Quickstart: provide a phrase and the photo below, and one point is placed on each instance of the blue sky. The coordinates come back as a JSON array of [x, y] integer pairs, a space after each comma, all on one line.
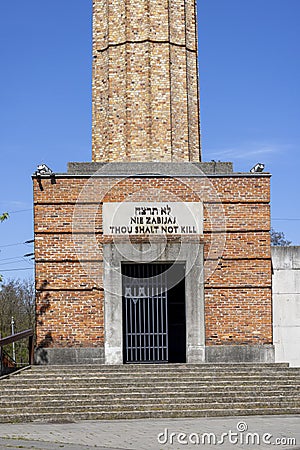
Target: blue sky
[[250, 101]]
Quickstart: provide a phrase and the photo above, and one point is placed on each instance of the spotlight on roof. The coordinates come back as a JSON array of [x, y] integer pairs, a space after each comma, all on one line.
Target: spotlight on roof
[[43, 169], [259, 167]]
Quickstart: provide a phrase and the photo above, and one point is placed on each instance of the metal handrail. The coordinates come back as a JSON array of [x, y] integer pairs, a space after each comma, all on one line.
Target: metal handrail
[[17, 337]]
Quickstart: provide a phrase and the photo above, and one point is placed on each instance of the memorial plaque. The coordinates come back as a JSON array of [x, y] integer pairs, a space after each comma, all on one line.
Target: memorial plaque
[[152, 218]]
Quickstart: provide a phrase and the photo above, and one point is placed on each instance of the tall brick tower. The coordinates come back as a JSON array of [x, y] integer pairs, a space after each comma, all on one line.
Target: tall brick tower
[[146, 254], [145, 81]]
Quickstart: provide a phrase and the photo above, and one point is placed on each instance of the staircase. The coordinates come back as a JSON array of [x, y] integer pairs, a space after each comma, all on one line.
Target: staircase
[[69, 393]]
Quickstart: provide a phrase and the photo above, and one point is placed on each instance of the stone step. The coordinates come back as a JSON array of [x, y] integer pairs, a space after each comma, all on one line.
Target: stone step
[[138, 371], [150, 366], [136, 414], [161, 375], [138, 401], [162, 378], [192, 388], [107, 395], [25, 397], [152, 376], [116, 406], [136, 368], [140, 391], [185, 387], [94, 381], [72, 380], [226, 410]]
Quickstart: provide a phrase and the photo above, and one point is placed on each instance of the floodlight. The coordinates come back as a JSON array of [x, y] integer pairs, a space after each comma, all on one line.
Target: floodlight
[[259, 167], [43, 169]]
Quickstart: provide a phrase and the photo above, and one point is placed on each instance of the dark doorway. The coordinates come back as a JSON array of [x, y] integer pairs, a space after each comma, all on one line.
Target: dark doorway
[[154, 327], [176, 315]]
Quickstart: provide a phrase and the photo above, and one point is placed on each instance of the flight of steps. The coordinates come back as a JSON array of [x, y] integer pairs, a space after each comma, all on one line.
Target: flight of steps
[[69, 393]]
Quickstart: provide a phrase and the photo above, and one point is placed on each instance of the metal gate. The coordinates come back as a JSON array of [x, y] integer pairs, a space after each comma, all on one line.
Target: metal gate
[[145, 313]]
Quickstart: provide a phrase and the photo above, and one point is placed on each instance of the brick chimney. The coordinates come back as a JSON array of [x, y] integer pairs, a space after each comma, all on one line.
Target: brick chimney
[[145, 81]]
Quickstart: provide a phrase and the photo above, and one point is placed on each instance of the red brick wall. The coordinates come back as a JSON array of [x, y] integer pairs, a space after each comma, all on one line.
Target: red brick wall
[[145, 81], [237, 294]]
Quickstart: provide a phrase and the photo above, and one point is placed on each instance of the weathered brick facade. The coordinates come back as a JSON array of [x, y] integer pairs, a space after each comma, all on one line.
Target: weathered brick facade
[[146, 148], [145, 81], [237, 292]]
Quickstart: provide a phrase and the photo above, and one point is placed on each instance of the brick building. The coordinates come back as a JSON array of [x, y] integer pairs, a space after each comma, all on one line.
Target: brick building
[[147, 254]]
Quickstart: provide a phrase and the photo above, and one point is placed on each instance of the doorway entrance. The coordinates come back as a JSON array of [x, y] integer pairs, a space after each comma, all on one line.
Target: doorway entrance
[[154, 322]]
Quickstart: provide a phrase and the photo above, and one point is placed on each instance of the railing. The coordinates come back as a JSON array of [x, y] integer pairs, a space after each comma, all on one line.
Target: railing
[[7, 360], [4, 357]]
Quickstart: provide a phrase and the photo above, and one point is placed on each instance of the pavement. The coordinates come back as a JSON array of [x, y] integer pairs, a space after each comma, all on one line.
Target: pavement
[[229, 433]]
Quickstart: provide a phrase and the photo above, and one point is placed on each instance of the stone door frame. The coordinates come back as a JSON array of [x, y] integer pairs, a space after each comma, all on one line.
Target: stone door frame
[[188, 253]]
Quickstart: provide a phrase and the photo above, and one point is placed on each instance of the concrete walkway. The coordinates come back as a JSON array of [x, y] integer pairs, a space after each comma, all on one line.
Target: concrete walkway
[[261, 432]]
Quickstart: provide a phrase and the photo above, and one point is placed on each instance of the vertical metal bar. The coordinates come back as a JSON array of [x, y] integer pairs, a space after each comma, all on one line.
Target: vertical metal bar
[[153, 315], [129, 318], [132, 312], [133, 331], [143, 334], [162, 340], [157, 327], [126, 326], [149, 319], [153, 320], [140, 329], [130, 329], [137, 306], [155, 300], [148, 328], [163, 328], [135, 334], [147, 337], [159, 300], [144, 329], [142, 326], [166, 318], [135, 274], [162, 301]]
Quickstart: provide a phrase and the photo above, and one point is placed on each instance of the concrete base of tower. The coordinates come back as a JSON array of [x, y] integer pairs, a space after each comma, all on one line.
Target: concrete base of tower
[[240, 354], [73, 355], [213, 354]]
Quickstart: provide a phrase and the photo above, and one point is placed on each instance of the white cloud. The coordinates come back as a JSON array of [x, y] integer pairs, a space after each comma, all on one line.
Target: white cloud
[[15, 205], [247, 151]]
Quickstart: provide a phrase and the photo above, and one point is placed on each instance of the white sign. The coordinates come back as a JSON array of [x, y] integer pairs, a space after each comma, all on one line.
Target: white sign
[[152, 218]]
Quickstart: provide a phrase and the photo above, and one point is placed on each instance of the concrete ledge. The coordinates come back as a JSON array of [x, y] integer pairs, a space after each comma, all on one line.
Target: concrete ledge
[[151, 170], [135, 168], [240, 353], [286, 257], [62, 356]]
